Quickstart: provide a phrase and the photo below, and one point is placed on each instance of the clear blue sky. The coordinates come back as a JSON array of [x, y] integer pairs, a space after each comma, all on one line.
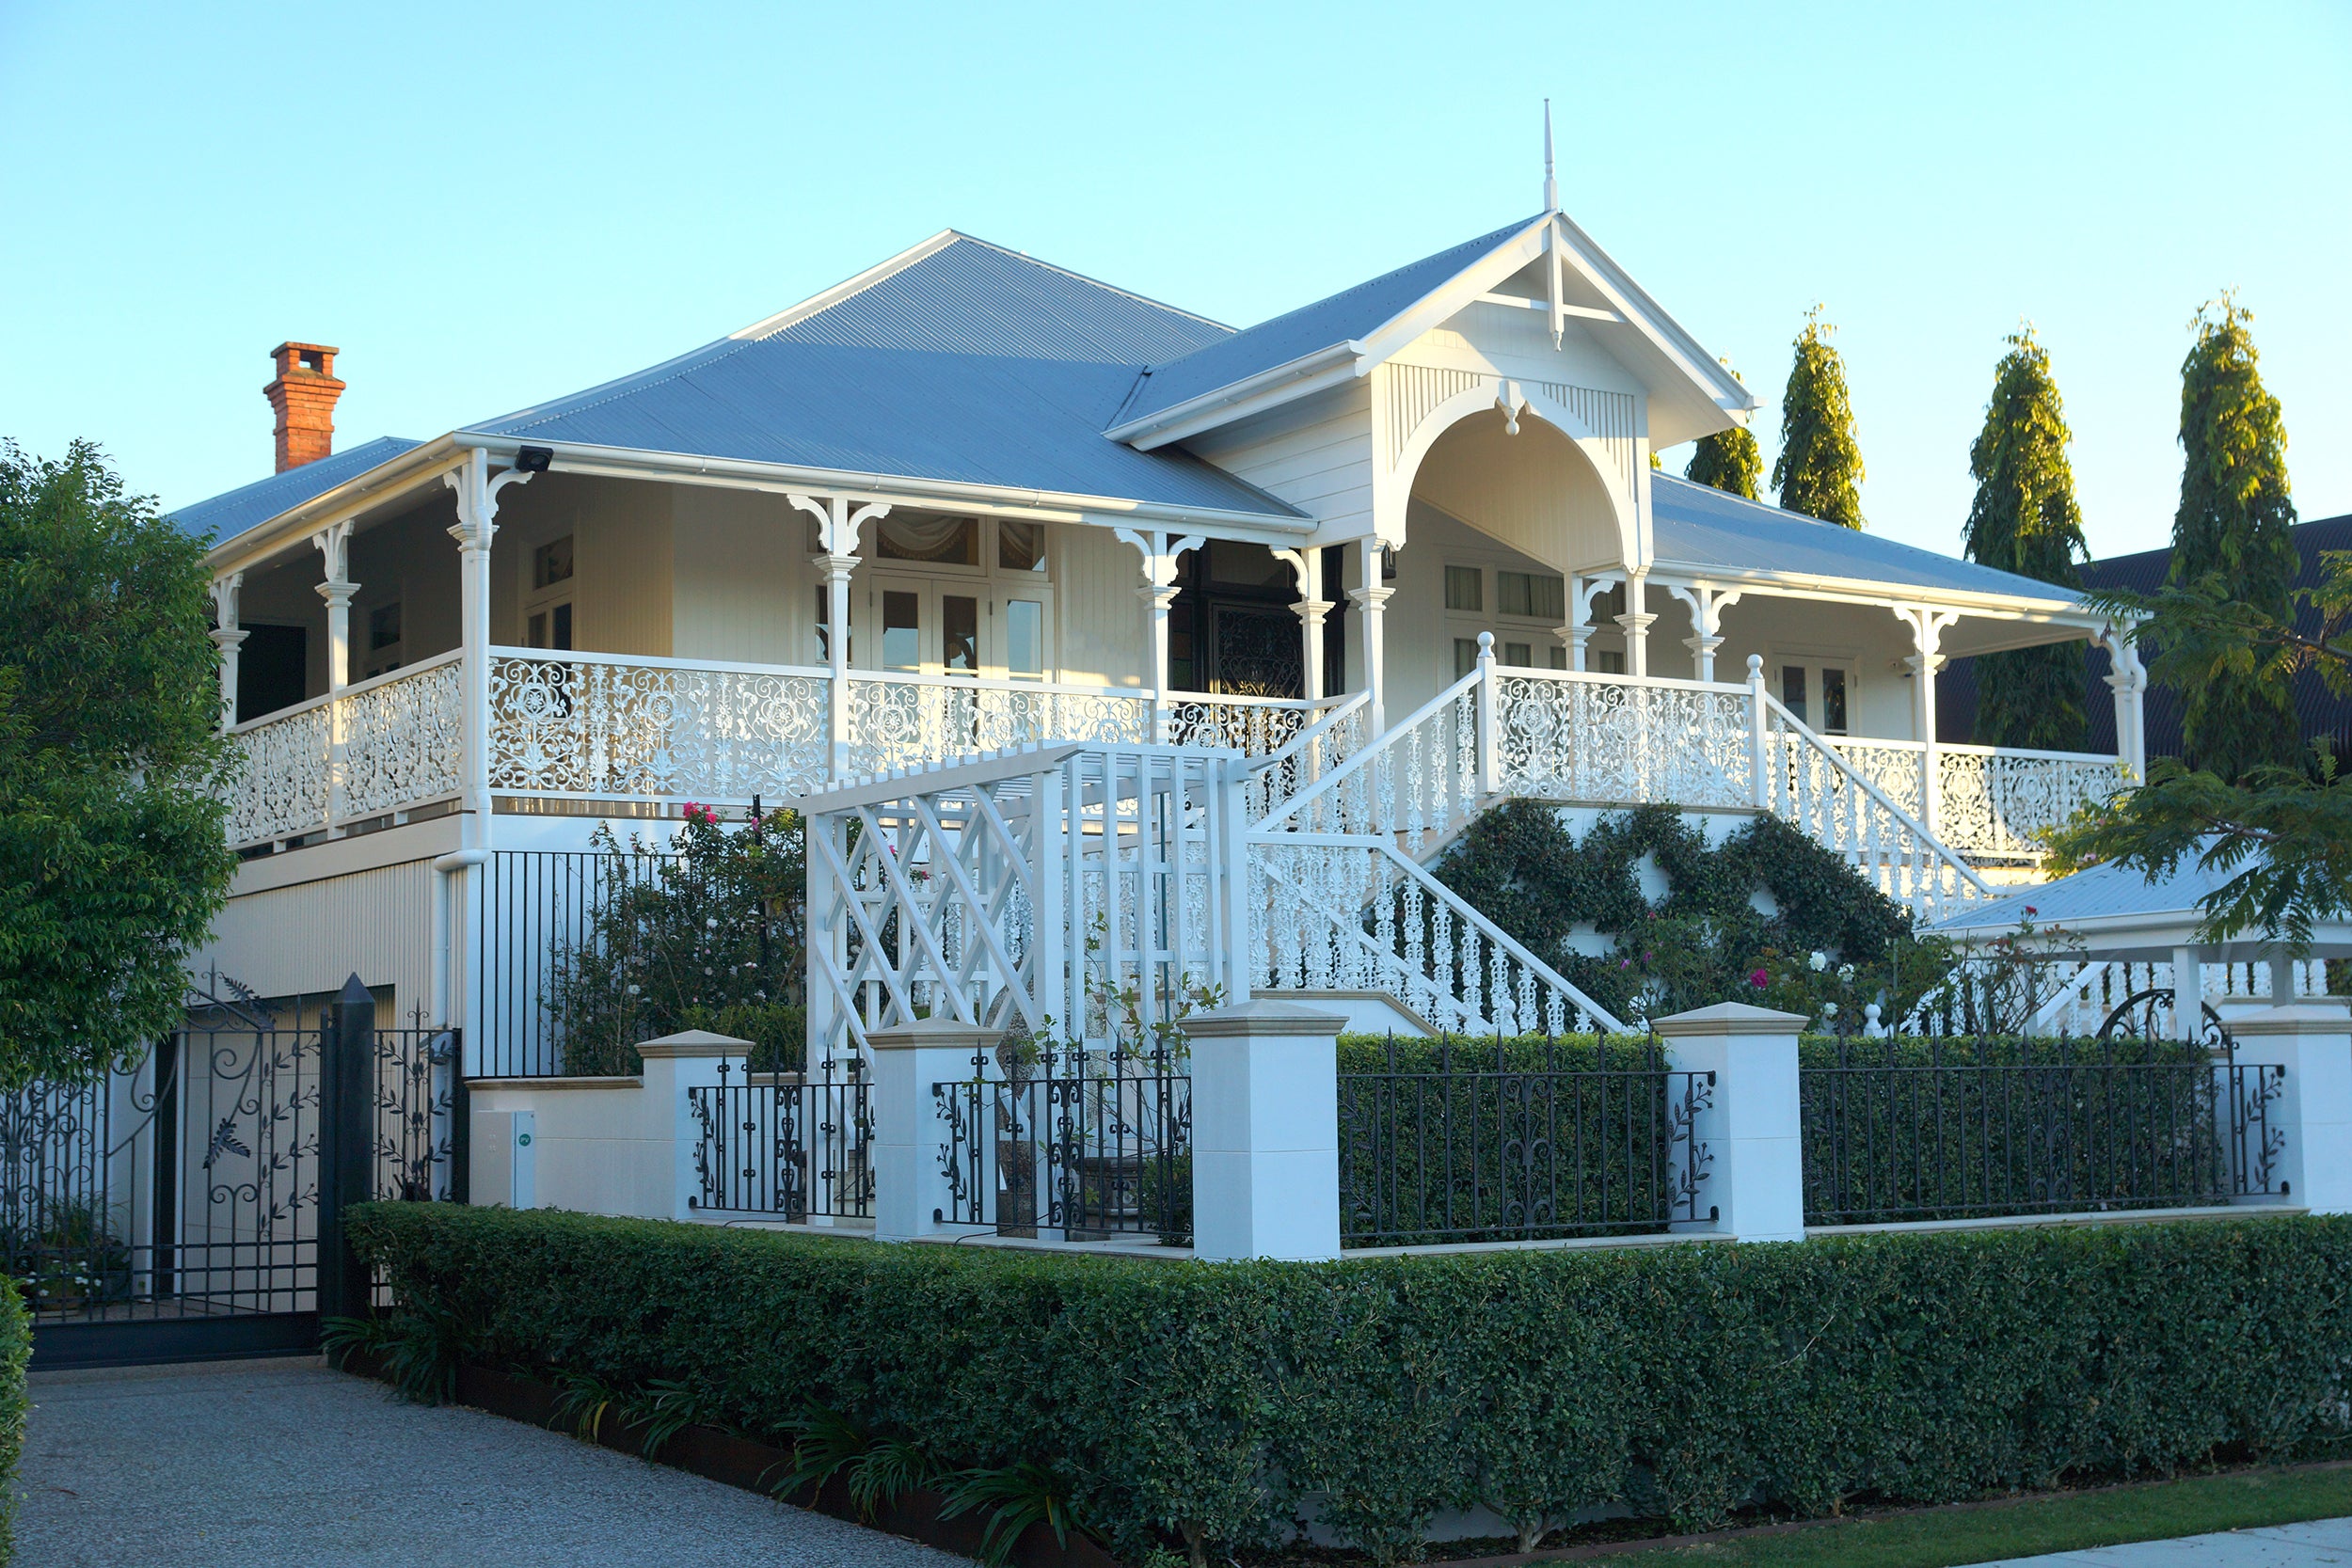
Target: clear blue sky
[[485, 206]]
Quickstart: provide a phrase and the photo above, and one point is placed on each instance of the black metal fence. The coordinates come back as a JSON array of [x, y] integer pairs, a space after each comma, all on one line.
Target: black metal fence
[[183, 1206], [780, 1145], [1086, 1144], [1517, 1139], [1898, 1129], [539, 917]]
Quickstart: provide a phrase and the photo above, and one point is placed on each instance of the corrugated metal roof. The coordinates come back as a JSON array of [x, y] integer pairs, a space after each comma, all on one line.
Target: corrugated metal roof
[[224, 516], [1345, 316], [971, 364], [2319, 712], [2102, 890], [1697, 525]]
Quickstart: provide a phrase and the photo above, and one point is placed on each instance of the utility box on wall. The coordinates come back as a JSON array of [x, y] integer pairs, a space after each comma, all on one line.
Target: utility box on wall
[[504, 1161]]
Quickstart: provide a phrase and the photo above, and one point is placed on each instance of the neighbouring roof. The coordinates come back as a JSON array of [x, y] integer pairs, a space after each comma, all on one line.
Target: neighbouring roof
[[959, 361], [1347, 316], [2319, 713], [1699, 526], [2120, 914], [224, 516]]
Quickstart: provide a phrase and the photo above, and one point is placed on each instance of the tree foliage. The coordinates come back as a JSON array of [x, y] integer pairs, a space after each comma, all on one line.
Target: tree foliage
[[708, 936], [2025, 520], [2234, 525], [113, 856], [1819, 471], [1728, 460], [2283, 832]]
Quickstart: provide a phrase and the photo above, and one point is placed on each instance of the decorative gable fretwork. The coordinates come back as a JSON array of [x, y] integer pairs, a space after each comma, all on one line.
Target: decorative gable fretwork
[[1416, 392]]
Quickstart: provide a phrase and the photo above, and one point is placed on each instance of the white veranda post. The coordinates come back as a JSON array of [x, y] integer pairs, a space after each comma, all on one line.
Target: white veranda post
[[334, 542], [1160, 554], [476, 525], [838, 519], [1706, 606], [1370, 596], [1636, 623], [228, 637], [1310, 610], [1578, 633], [1927, 635], [2127, 678]]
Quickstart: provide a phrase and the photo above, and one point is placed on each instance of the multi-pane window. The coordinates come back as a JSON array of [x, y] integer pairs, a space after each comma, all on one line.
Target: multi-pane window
[[1536, 596], [1464, 589]]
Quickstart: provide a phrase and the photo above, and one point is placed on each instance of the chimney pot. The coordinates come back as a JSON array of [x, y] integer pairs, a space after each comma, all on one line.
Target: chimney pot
[[303, 397]]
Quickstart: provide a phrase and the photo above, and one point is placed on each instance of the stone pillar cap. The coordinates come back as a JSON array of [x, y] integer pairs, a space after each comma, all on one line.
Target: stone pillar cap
[[696, 1042], [1730, 1018], [1261, 1016], [2296, 1018], [933, 1032]]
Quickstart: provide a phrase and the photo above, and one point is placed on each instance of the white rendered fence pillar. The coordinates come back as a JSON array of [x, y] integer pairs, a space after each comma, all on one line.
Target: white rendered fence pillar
[[910, 1189], [1265, 1131], [1750, 1129], [675, 1064], [2313, 1042]]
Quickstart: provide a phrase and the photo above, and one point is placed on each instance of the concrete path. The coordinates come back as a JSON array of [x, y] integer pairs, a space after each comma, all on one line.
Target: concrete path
[[2326, 1541], [233, 1463]]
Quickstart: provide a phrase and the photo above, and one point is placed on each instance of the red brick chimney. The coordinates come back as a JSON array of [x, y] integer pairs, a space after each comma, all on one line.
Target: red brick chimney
[[304, 398]]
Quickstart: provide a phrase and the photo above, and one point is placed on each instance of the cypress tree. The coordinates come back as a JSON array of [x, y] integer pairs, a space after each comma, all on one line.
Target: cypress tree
[[2232, 526], [2025, 520], [1818, 470], [1728, 460]]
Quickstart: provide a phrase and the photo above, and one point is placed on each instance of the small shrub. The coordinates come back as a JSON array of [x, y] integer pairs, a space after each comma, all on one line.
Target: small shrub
[[16, 1348]]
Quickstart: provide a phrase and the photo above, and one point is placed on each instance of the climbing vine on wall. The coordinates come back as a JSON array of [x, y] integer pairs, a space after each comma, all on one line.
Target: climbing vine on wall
[[1706, 941]]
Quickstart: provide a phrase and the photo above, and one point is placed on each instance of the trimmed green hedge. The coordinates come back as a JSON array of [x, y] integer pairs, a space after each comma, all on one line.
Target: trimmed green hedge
[[1228, 1400], [16, 1348]]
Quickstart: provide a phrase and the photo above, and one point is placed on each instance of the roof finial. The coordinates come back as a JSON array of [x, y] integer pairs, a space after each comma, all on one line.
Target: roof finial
[[1551, 186]]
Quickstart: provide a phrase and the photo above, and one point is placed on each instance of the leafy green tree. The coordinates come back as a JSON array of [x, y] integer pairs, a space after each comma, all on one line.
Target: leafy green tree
[[113, 854], [1819, 471], [2283, 831], [1728, 460], [2232, 526], [708, 936], [2025, 520]]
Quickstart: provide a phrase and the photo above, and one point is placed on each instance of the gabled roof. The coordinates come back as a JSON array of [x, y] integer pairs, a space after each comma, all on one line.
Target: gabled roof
[[1348, 316], [958, 361], [1698, 527], [224, 516]]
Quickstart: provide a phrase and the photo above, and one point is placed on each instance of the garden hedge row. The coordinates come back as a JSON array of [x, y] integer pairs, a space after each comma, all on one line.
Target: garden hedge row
[[1228, 1400], [16, 1348]]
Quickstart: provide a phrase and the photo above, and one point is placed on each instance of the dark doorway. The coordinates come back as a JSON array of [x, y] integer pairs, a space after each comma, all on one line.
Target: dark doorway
[[1233, 632], [273, 669]]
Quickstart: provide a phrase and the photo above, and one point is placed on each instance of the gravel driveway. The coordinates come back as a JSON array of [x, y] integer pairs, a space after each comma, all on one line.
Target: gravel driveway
[[233, 1463]]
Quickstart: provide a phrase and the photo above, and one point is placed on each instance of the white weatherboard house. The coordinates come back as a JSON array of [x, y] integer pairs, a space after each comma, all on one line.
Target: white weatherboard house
[[1404, 541]]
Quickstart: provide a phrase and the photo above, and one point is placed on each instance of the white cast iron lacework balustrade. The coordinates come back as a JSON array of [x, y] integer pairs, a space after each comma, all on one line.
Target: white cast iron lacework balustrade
[[585, 724], [1990, 803], [913, 721], [1024, 893], [403, 743], [1602, 739], [1809, 785], [403, 738]]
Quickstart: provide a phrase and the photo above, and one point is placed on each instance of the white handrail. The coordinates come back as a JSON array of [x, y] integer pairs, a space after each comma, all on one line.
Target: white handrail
[[1395, 734], [1853, 777], [1317, 731]]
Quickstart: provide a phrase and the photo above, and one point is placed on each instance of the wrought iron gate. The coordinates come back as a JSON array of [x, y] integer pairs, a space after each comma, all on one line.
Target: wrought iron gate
[[180, 1210]]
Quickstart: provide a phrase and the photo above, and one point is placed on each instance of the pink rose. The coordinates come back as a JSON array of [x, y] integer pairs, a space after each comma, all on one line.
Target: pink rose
[[1759, 980]]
